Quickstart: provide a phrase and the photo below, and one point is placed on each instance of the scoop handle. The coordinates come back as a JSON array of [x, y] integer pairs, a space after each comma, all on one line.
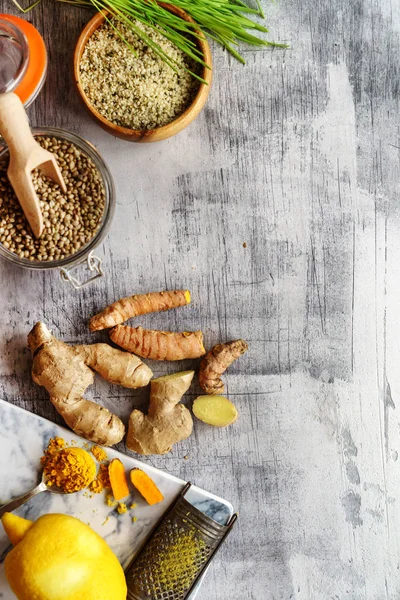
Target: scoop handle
[[14, 504], [14, 127]]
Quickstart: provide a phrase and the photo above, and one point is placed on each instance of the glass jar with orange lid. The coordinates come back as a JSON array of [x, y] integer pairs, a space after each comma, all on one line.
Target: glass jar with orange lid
[[23, 58]]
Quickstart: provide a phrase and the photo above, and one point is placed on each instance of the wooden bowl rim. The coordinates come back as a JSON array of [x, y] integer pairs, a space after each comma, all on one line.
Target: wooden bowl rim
[[95, 22]]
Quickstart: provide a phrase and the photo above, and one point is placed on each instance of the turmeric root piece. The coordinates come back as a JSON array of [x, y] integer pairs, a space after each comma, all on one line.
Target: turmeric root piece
[[216, 361], [159, 345], [140, 304], [66, 372], [146, 486], [119, 485], [167, 422], [215, 410]]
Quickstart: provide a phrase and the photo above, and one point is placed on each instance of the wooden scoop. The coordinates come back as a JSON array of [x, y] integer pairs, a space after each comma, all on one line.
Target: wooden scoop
[[25, 155]]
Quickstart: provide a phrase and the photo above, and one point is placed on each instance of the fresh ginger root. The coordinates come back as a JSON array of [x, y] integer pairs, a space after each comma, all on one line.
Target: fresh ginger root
[[140, 304], [146, 486], [215, 410], [216, 361], [119, 485], [159, 345], [66, 371], [167, 422]]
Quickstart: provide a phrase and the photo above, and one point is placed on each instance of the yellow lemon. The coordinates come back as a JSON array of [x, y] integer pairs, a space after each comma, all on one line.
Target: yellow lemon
[[61, 558]]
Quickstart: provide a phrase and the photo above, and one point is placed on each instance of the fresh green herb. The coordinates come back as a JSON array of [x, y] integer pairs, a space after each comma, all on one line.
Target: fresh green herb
[[224, 21], [26, 9]]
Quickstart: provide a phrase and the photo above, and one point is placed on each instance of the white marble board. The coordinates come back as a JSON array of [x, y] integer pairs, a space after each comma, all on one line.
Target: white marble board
[[23, 437]]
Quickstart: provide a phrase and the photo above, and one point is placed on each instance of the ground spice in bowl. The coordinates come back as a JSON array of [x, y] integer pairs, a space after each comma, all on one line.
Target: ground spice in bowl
[[71, 220], [138, 91]]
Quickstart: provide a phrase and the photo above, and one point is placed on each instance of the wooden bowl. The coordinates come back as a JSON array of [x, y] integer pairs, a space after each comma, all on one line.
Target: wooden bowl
[[159, 133]]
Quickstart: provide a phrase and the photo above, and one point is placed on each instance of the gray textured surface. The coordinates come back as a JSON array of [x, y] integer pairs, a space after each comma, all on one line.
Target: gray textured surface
[[297, 155]]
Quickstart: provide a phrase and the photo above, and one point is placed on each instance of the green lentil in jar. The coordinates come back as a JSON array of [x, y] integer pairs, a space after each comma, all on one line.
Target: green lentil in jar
[[138, 91], [71, 220]]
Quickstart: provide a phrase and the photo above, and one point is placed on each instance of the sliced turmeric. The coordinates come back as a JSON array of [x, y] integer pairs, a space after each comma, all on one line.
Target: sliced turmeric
[[140, 304], [146, 486], [119, 485], [159, 345]]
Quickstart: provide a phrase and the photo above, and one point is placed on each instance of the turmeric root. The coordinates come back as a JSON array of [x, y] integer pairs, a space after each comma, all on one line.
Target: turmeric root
[[66, 371], [216, 361], [146, 486], [159, 345], [215, 410], [167, 422], [119, 485], [140, 304]]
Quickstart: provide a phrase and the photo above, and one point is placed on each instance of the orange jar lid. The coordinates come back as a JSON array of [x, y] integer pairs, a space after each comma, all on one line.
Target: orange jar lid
[[35, 74]]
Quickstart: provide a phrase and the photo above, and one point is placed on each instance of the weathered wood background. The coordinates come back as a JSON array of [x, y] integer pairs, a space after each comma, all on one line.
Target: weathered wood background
[[298, 156]]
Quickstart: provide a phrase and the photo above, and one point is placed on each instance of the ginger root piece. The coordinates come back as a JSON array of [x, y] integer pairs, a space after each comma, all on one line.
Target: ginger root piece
[[166, 422], [216, 361], [215, 410], [146, 486], [66, 371], [119, 485], [115, 366], [159, 345], [140, 304]]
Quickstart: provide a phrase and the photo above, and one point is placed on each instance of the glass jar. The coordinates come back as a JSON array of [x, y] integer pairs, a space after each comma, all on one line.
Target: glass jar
[[85, 255], [14, 56], [23, 58]]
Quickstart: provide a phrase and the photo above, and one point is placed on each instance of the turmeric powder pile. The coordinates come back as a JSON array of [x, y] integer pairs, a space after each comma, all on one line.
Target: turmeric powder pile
[[180, 559], [71, 469], [177, 564], [102, 480], [99, 453]]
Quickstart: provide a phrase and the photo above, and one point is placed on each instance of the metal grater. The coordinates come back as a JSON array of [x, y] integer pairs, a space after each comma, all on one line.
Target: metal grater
[[176, 553]]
